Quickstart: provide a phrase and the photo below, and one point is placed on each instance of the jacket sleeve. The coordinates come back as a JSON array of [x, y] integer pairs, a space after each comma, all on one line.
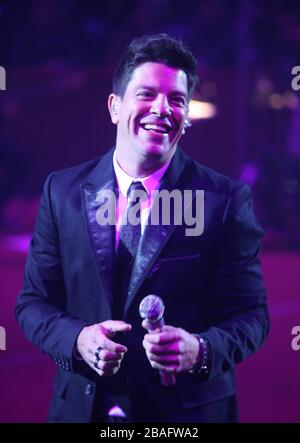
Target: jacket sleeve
[[242, 322], [42, 302]]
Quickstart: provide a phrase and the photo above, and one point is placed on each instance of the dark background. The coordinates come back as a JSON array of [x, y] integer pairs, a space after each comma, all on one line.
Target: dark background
[[59, 58]]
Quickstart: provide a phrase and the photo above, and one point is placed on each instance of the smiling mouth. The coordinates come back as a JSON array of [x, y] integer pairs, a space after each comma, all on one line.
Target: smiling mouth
[[158, 129]]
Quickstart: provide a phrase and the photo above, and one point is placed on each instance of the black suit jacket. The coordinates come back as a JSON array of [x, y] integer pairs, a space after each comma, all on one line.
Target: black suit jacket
[[211, 284]]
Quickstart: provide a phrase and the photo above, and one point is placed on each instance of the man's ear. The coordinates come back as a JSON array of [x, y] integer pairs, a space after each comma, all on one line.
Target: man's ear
[[187, 123], [113, 107]]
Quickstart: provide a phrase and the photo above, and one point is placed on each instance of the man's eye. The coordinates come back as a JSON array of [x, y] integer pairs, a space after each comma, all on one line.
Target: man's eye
[[178, 101], [145, 94]]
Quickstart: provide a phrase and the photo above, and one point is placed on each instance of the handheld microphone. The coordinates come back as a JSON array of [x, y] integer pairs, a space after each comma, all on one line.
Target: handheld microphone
[[152, 309]]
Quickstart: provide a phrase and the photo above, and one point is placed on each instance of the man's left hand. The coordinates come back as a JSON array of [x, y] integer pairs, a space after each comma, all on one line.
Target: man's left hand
[[171, 349]]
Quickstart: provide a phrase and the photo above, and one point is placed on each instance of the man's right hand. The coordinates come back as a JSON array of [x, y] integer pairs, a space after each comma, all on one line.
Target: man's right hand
[[98, 336]]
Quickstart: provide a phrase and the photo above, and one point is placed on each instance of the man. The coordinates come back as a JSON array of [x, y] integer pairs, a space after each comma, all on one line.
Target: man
[[84, 280]]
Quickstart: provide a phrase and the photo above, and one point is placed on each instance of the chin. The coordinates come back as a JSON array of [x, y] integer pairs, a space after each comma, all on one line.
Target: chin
[[156, 151]]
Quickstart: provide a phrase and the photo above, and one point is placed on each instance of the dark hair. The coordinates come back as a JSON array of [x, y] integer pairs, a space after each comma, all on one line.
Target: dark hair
[[160, 48]]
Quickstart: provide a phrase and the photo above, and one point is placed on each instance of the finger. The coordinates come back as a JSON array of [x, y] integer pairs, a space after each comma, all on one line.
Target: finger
[[105, 369], [147, 326], [168, 328], [112, 326], [109, 345], [165, 360], [110, 356], [163, 337], [170, 348], [108, 373], [106, 366]]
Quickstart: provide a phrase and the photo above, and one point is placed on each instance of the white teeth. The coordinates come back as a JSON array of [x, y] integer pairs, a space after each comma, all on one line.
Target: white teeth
[[149, 127]]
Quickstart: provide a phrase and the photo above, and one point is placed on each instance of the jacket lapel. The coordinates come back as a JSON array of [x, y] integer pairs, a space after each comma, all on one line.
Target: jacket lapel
[[156, 236], [99, 183], [102, 237]]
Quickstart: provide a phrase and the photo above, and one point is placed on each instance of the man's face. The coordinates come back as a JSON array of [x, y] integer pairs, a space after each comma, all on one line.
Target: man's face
[[150, 116]]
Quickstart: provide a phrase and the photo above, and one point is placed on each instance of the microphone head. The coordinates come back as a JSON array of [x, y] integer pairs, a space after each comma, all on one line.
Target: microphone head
[[152, 308]]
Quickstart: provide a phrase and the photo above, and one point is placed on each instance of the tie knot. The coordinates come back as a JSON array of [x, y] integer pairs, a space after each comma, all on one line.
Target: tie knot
[[133, 188]]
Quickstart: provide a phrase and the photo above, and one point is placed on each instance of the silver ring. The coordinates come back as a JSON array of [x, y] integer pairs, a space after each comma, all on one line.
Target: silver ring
[[95, 363], [97, 352]]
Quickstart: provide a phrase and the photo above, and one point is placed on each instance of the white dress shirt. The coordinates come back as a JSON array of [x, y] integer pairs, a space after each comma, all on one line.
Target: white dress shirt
[[150, 183]]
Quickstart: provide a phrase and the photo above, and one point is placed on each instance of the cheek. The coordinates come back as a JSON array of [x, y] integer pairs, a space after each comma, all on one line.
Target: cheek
[[127, 122], [134, 125], [180, 117], [135, 116]]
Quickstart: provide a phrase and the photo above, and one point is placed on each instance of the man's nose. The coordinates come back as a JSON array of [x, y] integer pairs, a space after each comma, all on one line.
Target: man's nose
[[160, 106]]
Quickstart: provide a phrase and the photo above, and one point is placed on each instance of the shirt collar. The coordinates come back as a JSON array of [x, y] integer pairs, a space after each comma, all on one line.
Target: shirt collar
[[151, 182]]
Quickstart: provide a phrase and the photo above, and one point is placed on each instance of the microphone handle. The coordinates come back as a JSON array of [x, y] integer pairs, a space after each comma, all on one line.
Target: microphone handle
[[166, 378]]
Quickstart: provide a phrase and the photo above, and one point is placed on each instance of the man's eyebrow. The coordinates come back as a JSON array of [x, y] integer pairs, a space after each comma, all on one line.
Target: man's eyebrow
[[152, 88], [176, 92]]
